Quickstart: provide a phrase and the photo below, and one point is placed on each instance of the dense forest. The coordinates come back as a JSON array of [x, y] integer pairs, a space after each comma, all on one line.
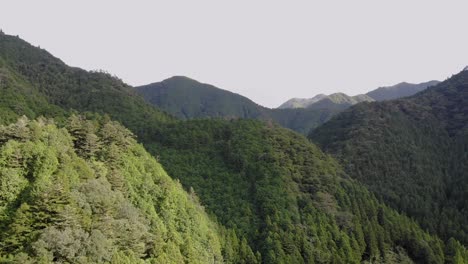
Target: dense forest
[[88, 193], [249, 174], [80, 189], [412, 153]]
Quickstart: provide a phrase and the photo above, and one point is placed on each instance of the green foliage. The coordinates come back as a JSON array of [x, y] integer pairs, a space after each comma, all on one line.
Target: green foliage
[[188, 99], [56, 86], [87, 192], [411, 153], [400, 90], [60, 203], [291, 202]]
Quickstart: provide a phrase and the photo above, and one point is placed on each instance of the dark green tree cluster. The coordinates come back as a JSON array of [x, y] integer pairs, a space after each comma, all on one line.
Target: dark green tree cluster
[[412, 153], [293, 203]]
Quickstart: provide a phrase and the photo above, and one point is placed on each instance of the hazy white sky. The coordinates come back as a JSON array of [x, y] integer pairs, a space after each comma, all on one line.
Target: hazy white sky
[[268, 51]]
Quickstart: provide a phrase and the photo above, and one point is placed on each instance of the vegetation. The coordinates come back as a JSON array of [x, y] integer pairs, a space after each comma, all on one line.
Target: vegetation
[[84, 190], [411, 153], [400, 90], [89, 193], [338, 101], [70, 88], [188, 99], [292, 202], [343, 101]]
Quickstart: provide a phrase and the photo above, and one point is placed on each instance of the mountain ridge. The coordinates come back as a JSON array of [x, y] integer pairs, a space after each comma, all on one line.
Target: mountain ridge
[[187, 98], [396, 91]]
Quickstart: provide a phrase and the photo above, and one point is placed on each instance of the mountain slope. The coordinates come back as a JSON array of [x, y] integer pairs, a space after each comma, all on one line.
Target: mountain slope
[[321, 101], [283, 200], [186, 98], [399, 90], [91, 194], [189, 99], [36, 83], [339, 101], [411, 153], [279, 190], [301, 102], [75, 89]]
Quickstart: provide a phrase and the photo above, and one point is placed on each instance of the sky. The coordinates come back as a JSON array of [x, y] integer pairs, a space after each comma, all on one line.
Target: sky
[[269, 51]]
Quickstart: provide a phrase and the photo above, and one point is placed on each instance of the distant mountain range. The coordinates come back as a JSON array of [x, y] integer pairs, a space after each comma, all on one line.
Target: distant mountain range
[[322, 100], [189, 99], [341, 100], [399, 91]]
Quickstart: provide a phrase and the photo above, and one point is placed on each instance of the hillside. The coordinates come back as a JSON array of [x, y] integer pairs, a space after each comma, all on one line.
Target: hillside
[[89, 193], [277, 197], [322, 101], [301, 102], [343, 101], [279, 190], [189, 99], [399, 90], [339, 101], [186, 98], [46, 80], [411, 153]]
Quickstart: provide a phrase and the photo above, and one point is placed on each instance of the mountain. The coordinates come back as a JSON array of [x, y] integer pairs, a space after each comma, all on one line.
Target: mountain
[[37, 84], [189, 99], [332, 101], [400, 90], [301, 102], [342, 101], [411, 153], [186, 98], [339, 101], [278, 189], [271, 196]]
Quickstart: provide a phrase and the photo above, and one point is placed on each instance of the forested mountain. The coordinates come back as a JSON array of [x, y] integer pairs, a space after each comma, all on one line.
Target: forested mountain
[[83, 191], [332, 101], [412, 153], [339, 101], [294, 202], [301, 102], [32, 76], [400, 90], [188, 99], [343, 101]]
